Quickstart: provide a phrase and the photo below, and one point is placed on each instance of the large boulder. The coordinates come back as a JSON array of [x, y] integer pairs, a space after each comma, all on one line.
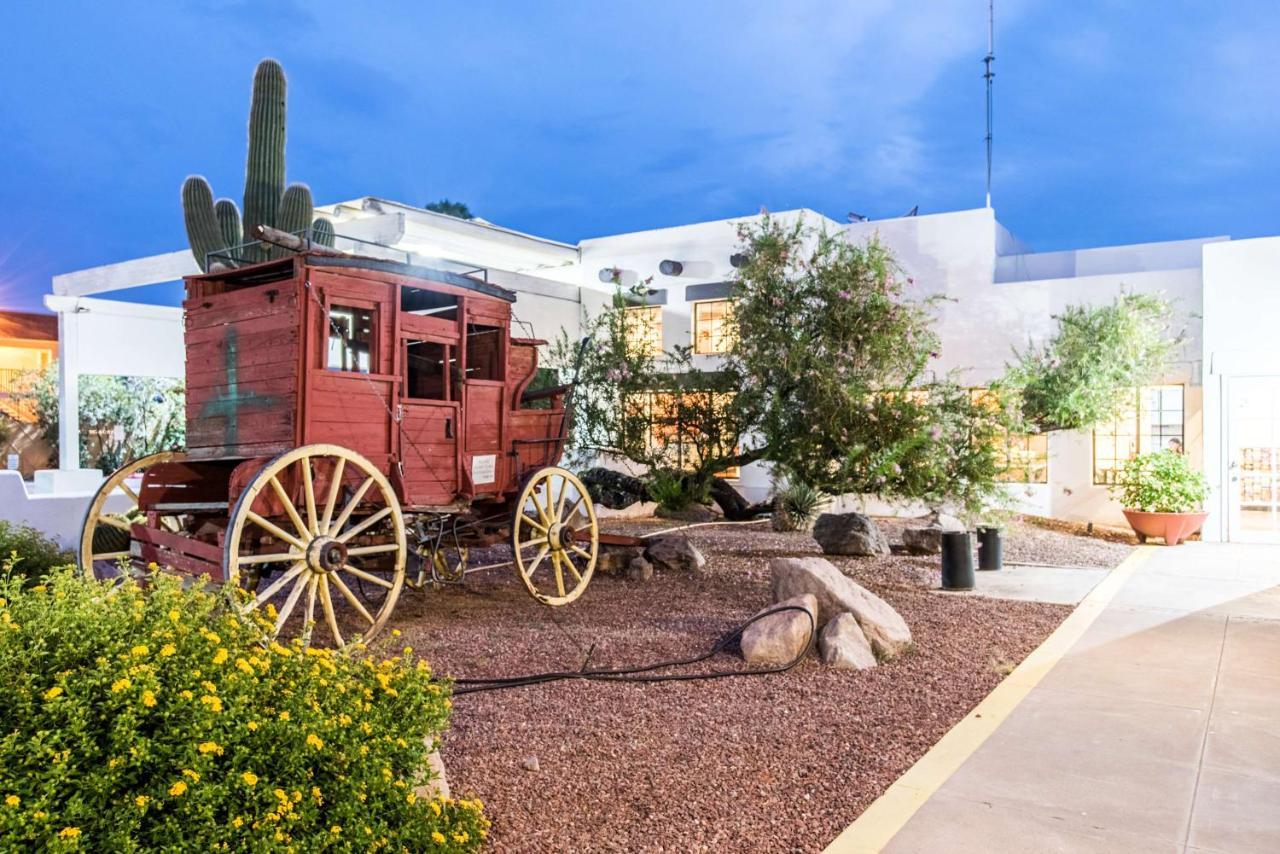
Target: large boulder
[[783, 637], [613, 488], [922, 541], [844, 646], [675, 554], [616, 560], [639, 569], [849, 534], [836, 593], [434, 781]]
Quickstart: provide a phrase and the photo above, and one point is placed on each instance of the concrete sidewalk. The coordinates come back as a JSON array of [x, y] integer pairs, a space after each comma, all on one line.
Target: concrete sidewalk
[[1158, 730]]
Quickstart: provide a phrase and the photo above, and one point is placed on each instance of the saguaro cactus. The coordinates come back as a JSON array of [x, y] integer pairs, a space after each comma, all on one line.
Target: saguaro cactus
[[217, 227]]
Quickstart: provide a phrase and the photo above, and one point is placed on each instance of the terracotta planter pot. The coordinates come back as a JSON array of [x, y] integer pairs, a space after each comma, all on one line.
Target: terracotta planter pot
[[1174, 528]]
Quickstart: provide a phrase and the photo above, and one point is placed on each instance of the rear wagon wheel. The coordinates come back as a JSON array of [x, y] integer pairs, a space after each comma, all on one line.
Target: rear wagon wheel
[[104, 536]]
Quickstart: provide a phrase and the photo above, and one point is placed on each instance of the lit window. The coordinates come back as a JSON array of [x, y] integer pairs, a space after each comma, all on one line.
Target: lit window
[[713, 326], [1153, 422], [1022, 457], [643, 327], [668, 436], [350, 339]]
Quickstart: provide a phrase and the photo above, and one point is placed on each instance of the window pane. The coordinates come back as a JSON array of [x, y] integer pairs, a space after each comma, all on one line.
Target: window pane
[[425, 303], [1161, 419], [426, 367], [712, 326], [644, 329], [484, 352], [350, 339], [1022, 457]]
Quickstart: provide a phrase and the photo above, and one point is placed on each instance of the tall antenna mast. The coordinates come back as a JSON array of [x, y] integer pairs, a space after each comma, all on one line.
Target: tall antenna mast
[[989, 75]]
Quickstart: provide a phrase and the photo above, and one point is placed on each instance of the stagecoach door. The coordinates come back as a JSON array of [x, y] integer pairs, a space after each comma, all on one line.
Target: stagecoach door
[[484, 371]]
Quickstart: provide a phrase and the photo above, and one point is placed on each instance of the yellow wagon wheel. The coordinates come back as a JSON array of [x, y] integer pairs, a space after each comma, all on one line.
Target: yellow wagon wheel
[[315, 523], [555, 536], [104, 535]]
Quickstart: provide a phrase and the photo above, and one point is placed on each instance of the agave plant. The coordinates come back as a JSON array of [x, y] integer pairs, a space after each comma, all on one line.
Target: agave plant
[[215, 226]]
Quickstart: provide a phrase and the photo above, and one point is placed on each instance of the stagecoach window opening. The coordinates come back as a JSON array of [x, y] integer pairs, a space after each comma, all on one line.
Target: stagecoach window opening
[[484, 352], [427, 368], [350, 339], [426, 303]]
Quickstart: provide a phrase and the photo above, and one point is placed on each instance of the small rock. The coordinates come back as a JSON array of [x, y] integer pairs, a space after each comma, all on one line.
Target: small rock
[[850, 534], [639, 569], [844, 646], [676, 554], [781, 638], [836, 593], [530, 763], [436, 786], [693, 513], [922, 541], [615, 560]]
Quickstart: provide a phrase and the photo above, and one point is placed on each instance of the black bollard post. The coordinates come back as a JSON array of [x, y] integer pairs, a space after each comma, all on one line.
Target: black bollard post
[[990, 548], [957, 561]]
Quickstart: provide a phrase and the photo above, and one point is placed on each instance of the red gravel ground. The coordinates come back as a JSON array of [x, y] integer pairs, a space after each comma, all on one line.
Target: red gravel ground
[[770, 763]]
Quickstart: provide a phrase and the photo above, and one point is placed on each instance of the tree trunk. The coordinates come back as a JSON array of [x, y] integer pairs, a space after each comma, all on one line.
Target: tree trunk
[[735, 507]]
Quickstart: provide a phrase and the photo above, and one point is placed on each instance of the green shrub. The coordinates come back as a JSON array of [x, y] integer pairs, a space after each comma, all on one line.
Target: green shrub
[[140, 721], [28, 552], [674, 491], [796, 506], [1161, 482]]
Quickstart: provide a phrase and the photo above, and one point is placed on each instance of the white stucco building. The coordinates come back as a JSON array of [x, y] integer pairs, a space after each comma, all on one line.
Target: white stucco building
[[1220, 402]]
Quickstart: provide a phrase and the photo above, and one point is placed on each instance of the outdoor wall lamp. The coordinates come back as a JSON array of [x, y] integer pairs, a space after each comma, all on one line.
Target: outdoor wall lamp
[[738, 259], [671, 268]]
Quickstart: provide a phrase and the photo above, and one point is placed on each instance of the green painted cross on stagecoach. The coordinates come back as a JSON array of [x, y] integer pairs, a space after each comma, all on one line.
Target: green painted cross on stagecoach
[[228, 404]]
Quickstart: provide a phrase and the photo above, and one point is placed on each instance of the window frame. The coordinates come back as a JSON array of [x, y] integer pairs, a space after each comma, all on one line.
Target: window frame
[[725, 337], [375, 345], [651, 326], [1140, 439], [1008, 440]]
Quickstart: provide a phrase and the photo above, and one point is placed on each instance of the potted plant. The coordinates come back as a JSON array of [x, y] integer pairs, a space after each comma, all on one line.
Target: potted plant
[[1162, 496]]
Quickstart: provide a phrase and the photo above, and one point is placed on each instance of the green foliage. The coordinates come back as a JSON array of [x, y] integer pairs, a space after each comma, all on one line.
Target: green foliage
[[455, 209], [1086, 373], [1161, 482], [121, 418], [676, 490], [160, 721], [796, 506], [26, 551], [834, 358], [215, 227]]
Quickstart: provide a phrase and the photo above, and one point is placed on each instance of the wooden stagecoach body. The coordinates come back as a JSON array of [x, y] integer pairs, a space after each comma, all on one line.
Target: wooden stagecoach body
[[317, 382]]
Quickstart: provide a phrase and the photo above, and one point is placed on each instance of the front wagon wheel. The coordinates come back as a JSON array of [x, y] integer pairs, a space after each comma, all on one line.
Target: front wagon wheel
[[318, 524], [555, 536]]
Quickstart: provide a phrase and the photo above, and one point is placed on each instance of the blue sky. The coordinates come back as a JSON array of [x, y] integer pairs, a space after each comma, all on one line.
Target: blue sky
[[1115, 121]]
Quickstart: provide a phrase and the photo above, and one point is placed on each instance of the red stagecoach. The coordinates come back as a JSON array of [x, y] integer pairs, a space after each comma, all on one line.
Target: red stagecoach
[[348, 418]]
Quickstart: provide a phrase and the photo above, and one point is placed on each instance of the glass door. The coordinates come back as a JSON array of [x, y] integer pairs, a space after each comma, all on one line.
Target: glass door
[[1254, 464]]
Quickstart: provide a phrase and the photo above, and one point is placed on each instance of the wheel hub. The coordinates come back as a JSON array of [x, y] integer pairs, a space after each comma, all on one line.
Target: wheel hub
[[560, 536], [325, 555]]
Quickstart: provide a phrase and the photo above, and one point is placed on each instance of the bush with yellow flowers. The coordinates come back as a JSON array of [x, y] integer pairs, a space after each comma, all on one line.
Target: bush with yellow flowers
[[159, 719]]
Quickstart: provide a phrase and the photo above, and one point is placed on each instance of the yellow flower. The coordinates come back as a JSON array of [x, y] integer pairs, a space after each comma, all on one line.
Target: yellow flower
[[237, 822], [211, 747], [284, 716], [187, 695], [39, 588], [53, 693], [69, 832], [148, 699], [313, 740], [153, 566], [437, 837], [38, 814], [395, 633], [245, 666], [271, 610], [195, 778], [220, 656], [178, 789], [174, 615], [315, 793], [209, 687], [12, 801], [168, 650], [212, 702], [139, 650], [335, 830], [435, 808], [250, 778], [120, 685], [141, 801], [252, 725], [461, 836]]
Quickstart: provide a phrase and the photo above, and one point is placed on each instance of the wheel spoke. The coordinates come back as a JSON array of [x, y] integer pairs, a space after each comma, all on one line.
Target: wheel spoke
[[309, 494], [351, 506], [533, 567], [367, 576], [127, 490], [351, 597], [273, 530], [580, 552], [527, 543], [329, 616], [373, 550], [534, 523], [172, 524], [298, 587], [546, 493], [574, 511], [568, 561], [274, 557], [311, 608], [564, 491], [374, 519], [116, 522], [110, 556], [555, 563], [289, 508], [331, 502], [274, 587]]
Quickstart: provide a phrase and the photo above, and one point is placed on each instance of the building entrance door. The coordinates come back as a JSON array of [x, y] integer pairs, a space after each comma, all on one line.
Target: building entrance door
[[1253, 428]]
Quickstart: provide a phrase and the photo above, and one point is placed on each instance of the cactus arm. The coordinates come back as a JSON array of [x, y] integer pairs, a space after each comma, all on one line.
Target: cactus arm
[[229, 225], [202, 223], [322, 232], [295, 213], [264, 167]]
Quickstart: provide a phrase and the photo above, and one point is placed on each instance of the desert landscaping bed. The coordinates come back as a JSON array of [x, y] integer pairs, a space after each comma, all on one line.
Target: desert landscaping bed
[[780, 762]]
